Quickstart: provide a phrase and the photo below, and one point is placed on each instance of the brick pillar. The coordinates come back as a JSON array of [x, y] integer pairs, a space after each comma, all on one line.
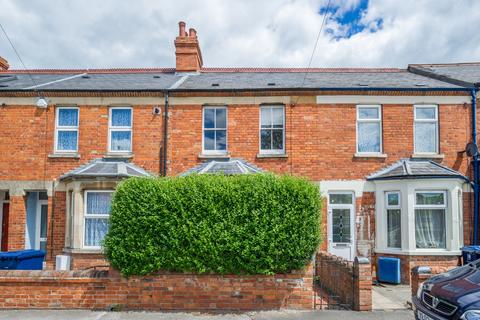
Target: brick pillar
[[362, 274], [419, 275], [16, 223]]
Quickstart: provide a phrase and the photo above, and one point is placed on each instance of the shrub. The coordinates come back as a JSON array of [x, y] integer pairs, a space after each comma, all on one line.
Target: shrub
[[244, 224]]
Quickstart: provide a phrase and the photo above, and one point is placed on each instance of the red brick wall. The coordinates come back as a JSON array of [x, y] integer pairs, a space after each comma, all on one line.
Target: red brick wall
[[407, 263], [81, 261], [166, 292], [16, 223], [25, 146], [350, 282], [320, 139]]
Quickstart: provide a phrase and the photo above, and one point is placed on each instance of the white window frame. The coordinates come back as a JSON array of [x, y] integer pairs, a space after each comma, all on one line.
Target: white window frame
[[435, 121], [87, 216], [377, 120], [65, 128], [393, 207], [112, 128], [443, 206], [214, 152], [271, 151]]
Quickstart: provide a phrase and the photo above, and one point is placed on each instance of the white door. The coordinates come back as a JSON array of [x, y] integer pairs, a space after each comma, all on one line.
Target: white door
[[41, 223], [341, 224]]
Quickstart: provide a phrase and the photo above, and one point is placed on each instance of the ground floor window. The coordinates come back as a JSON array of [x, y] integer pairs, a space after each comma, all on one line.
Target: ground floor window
[[394, 221], [97, 212], [430, 220]]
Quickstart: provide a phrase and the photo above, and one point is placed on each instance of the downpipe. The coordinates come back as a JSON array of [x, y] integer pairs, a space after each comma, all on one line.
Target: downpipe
[[475, 168]]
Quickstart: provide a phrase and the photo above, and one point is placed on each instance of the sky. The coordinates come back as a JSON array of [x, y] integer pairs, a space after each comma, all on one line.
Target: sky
[[240, 33]]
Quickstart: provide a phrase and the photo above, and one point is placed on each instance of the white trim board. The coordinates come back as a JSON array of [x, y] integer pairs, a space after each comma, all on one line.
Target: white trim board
[[364, 99]]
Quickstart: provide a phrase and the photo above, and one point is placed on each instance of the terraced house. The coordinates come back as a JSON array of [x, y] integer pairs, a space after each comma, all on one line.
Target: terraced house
[[387, 146]]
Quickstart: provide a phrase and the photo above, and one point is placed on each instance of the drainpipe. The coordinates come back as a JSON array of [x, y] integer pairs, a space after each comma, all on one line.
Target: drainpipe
[[165, 134], [475, 167]]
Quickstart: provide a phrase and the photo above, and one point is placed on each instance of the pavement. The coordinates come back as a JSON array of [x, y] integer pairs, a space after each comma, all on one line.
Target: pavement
[[275, 315], [391, 297]]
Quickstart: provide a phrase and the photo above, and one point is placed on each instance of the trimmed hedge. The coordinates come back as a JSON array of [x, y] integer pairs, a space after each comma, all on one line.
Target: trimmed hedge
[[244, 224]]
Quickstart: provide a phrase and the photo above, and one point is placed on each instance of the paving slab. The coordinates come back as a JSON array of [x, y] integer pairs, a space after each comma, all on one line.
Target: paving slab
[[391, 297], [274, 315]]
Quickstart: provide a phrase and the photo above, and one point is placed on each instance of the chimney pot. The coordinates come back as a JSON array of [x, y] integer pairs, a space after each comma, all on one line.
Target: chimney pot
[[192, 32], [181, 29], [4, 64]]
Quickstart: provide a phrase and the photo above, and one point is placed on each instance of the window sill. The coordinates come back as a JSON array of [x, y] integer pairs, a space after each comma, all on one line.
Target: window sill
[[370, 155], [119, 155], [272, 155], [428, 156], [83, 251], [214, 156], [420, 252], [64, 155]]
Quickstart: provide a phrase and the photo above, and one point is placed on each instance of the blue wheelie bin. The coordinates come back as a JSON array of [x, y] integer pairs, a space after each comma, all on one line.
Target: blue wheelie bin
[[470, 253], [22, 260]]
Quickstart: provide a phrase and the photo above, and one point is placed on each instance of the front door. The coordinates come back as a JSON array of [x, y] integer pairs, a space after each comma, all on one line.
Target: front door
[[41, 225], [341, 224]]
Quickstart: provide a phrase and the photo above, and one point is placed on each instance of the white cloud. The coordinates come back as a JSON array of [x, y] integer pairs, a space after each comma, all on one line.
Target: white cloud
[[114, 33]]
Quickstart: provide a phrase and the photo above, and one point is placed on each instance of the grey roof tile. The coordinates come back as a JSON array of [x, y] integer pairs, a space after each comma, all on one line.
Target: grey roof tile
[[414, 169], [105, 168], [466, 72], [228, 167]]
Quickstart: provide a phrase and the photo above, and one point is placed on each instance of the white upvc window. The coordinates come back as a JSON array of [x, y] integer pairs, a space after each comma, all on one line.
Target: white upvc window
[[393, 206], [120, 129], [430, 219], [425, 129], [66, 130], [97, 206], [214, 137], [369, 129], [272, 129]]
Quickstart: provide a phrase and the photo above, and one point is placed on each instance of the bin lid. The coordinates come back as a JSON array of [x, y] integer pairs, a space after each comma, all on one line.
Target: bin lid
[[22, 254], [471, 248]]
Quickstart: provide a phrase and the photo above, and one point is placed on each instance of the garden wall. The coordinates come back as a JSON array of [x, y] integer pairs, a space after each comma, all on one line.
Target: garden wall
[[107, 290], [350, 283]]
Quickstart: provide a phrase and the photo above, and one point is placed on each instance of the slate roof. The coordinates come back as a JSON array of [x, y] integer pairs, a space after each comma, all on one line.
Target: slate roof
[[228, 167], [415, 169], [218, 79], [105, 168], [466, 74]]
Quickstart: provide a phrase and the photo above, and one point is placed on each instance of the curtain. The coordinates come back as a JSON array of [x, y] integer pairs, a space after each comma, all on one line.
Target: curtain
[[67, 140], [95, 231], [368, 137], [430, 228], [121, 117], [394, 237], [121, 140], [68, 117], [98, 203], [425, 137]]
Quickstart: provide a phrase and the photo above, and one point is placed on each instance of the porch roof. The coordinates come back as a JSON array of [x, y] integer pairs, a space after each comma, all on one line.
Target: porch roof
[[416, 169], [229, 167], [105, 168]]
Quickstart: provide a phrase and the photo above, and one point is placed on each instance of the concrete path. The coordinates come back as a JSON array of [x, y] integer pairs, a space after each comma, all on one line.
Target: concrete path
[[275, 315], [391, 297]]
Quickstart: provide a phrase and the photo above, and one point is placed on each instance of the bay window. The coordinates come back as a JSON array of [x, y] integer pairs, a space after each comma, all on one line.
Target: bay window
[[96, 213], [120, 129], [66, 130], [272, 130], [430, 207], [369, 129], [215, 130], [426, 129]]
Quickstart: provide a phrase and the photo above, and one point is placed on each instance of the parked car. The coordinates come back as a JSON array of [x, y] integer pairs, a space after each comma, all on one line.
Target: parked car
[[451, 295]]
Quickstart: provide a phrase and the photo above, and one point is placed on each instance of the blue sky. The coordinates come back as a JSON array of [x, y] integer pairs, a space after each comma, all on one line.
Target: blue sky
[[252, 33]]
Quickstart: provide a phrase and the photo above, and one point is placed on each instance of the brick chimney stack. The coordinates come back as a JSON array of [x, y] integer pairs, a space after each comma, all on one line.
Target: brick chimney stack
[[3, 64], [187, 50]]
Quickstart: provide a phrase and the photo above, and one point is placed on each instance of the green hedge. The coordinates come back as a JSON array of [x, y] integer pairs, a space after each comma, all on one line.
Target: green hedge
[[244, 224]]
